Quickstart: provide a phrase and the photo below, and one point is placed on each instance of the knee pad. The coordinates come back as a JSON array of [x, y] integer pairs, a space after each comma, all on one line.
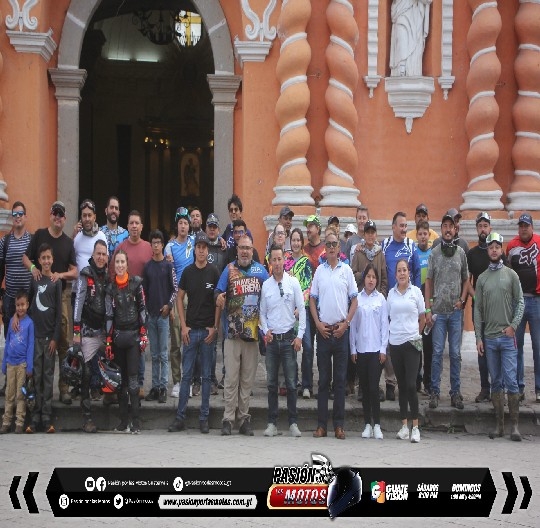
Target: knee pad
[[133, 383]]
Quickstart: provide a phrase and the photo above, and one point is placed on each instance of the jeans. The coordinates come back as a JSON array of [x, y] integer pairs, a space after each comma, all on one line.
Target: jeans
[[158, 335], [450, 324], [196, 346], [328, 349], [501, 354], [281, 352], [482, 362], [307, 355], [531, 315]]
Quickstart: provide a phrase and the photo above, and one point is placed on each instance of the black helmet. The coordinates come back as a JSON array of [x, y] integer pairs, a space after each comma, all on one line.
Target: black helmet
[[72, 366], [344, 491], [111, 378], [29, 393]]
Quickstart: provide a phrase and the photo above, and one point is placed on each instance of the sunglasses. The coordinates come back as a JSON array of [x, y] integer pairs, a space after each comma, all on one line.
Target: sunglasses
[[239, 232], [281, 292], [58, 212], [282, 233], [88, 203], [331, 244], [18, 214]]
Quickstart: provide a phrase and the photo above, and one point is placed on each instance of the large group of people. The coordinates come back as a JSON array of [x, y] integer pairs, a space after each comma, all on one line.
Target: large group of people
[[364, 307]]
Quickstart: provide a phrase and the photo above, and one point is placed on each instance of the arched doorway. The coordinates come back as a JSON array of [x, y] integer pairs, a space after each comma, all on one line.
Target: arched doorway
[[147, 174]]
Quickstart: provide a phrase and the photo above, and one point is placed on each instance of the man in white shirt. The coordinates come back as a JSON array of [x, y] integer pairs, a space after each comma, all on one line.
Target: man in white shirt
[[281, 296], [332, 304]]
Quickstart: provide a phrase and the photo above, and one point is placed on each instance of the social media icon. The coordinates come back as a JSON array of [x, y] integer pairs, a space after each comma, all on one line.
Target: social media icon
[[63, 501], [118, 501], [89, 484], [178, 484], [101, 484]]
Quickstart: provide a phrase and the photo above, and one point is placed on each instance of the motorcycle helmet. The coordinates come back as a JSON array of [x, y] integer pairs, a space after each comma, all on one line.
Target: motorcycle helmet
[[111, 378], [344, 491], [72, 366]]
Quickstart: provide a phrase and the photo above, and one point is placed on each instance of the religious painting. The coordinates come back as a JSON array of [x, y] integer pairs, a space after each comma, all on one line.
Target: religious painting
[[190, 174]]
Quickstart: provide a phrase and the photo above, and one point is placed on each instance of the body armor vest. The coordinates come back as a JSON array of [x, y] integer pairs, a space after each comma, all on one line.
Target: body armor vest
[[93, 312], [125, 305]]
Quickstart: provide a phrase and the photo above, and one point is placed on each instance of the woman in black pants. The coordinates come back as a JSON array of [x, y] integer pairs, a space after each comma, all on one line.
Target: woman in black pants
[[407, 319], [126, 319], [369, 339]]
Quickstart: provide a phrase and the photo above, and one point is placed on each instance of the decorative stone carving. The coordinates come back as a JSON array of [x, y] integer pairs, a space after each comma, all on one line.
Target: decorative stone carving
[[26, 42], [293, 186], [525, 189], [259, 34], [372, 79], [483, 192], [410, 27], [409, 97], [21, 17], [446, 80], [338, 183]]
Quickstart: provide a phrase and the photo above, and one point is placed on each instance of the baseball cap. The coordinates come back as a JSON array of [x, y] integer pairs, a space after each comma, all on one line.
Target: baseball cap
[[333, 219], [448, 216], [525, 218], [212, 219], [370, 224], [483, 215], [312, 219], [351, 228], [182, 212], [88, 203], [286, 211], [201, 238], [421, 208], [58, 207], [454, 213], [494, 237]]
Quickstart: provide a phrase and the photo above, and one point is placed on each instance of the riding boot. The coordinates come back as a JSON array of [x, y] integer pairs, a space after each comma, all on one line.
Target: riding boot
[[497, 399], [513, 405]]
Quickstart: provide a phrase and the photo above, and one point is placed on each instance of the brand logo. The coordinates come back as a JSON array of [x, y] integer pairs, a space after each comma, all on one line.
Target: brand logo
[[378, 491]]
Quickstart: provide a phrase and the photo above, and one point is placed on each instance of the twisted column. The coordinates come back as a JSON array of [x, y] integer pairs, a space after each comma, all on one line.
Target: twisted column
[[293, 186], [483, 192], [338, 184], [525, 189]]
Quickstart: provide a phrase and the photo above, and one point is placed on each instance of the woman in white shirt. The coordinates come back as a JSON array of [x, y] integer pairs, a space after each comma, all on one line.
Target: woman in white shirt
[[369, 339], [407, 319]]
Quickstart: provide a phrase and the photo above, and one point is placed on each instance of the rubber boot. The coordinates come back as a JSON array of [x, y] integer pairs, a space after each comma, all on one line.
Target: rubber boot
[[497, 399], [513, 405]]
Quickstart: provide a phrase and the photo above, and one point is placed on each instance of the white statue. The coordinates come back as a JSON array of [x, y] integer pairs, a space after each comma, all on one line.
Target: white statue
[[410, 27]]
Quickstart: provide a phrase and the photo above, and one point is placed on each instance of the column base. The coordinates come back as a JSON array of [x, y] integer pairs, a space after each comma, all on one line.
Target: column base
[[339, 196], [523, 201], [293, 195], [482, 200]]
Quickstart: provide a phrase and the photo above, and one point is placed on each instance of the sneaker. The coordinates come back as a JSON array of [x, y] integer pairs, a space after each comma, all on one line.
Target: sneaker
[[403, 433], [368, 431], [245, 428], [214, 389], [226, 428], [89, 427], [175, 393], [271, 430], [456, 401], [221, 384], [203, 426], [306, 394], [196, 389], [153, 395], [95, 395], [433, 401], [30, 429], [65, 398], [136, 427], [162, 395], [122, 427], [49, 428], [377, 433], [415, 435], [294, 431], [18, 429], [483, 396], [5, 429], [177, 425], [390, 393]]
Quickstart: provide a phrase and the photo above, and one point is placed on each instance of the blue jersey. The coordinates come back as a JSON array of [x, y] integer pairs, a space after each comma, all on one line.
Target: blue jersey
[[182, 254]]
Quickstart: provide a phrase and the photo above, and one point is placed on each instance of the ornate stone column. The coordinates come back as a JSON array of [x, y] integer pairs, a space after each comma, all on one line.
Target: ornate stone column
[[483, 192], [5, 220], [293, 185], [338, 183], [525, 189]]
